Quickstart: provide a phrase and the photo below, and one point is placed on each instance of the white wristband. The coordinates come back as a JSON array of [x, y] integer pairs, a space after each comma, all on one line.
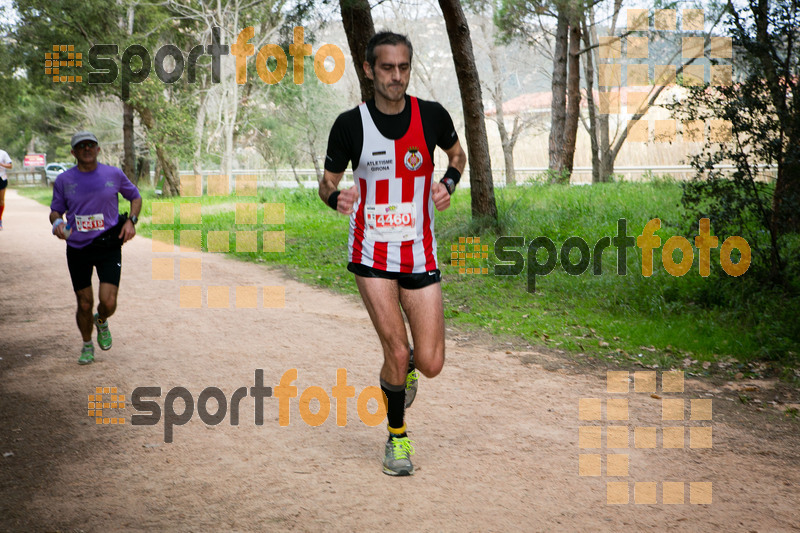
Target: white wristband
[[57, 223]]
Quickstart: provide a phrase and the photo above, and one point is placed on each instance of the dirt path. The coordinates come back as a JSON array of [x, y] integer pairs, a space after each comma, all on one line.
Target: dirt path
[[497, 434]]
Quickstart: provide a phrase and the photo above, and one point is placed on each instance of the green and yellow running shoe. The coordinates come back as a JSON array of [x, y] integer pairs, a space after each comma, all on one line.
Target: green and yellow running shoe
[[412, 381], [396, 461]]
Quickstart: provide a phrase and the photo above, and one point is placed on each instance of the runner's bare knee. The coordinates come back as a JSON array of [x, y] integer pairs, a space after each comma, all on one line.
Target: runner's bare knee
[[430, 363], [85, 301], [108, 299], [397, 357]]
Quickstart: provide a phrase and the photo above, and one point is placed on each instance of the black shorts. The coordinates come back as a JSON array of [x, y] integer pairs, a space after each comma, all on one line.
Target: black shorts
[[3, 184], [406, 280], [81, 262]]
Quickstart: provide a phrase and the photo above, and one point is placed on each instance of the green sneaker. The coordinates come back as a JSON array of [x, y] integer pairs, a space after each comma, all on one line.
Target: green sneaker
[[396, 460], [87, 354], [103, 334], [412, 382]]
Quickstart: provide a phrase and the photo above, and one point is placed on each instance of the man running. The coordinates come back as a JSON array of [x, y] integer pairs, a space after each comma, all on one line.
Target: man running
[[5, 163], [390, 141], [88, 194]]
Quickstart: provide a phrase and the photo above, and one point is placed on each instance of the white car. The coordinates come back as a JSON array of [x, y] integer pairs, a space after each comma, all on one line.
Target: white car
[[52, 170]]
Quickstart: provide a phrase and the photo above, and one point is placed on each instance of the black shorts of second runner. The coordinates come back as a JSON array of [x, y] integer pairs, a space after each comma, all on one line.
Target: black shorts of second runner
[[82, 261], [3, 184], [406, 280]]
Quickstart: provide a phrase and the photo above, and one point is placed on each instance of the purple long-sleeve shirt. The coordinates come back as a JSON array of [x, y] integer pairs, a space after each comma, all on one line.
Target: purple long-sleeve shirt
[[90, 200]]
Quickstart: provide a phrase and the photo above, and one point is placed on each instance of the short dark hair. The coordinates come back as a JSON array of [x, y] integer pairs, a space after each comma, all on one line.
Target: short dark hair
[[386, 37]]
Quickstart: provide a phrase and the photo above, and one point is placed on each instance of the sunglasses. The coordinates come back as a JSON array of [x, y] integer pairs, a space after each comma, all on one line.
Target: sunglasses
[[83, 146]]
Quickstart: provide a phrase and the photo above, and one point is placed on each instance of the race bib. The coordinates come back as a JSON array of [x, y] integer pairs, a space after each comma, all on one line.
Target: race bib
[[391, 222], [89, 222]]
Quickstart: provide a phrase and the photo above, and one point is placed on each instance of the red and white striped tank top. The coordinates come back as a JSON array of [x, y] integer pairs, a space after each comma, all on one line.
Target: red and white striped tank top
[[391, 227]]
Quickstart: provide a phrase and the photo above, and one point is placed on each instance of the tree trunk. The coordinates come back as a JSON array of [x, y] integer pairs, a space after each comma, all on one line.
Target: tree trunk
[[171, 180], [129, 155], [558, 106], [574, 99], [508, 159], [314, 159], [128, 140], [606, 162], [497, 96], [589, 78], [786, 200], [199, 127], [359, 28], [786, 197], [143, 169], [469, 84]]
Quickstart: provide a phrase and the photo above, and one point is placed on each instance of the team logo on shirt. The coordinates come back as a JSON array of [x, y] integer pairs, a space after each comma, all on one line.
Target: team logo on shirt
[[413, 158]]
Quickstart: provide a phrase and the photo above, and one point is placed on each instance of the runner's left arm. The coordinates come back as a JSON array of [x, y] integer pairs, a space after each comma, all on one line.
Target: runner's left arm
[[58, 207], [130, 192], [128, 229]]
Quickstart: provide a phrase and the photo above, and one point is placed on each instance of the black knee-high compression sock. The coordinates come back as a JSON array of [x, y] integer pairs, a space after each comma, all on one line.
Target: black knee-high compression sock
[[395, 406]]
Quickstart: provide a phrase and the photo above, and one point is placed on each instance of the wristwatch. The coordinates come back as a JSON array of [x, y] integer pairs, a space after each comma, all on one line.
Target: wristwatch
[[449, 184], [134, 219]]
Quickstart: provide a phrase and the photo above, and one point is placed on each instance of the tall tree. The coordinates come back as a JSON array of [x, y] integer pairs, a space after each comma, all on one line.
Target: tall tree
[[607, 144], [232, 18], [484, 206], [487, 11], [769, 35], [42, 24], [762, 110], [526, 18], [558, 104], [359, 28], [129, 151]]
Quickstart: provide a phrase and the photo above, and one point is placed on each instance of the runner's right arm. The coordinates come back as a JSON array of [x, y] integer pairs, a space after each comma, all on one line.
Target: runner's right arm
[[55, 214], [339, 154], [344, 200], [58, 230]]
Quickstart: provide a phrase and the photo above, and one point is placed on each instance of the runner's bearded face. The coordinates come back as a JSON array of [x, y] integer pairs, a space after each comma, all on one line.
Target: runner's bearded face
[[392, 71]]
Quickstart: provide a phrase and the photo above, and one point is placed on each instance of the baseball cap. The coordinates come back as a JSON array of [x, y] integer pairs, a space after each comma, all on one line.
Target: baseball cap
[[83, 136]]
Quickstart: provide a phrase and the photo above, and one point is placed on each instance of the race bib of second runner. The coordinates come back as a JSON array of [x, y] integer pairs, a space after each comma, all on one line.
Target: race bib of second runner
[[89, 222], [391, 222]]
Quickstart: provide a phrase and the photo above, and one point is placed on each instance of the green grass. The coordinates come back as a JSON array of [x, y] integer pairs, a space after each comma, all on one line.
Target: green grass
[[612, 317]]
